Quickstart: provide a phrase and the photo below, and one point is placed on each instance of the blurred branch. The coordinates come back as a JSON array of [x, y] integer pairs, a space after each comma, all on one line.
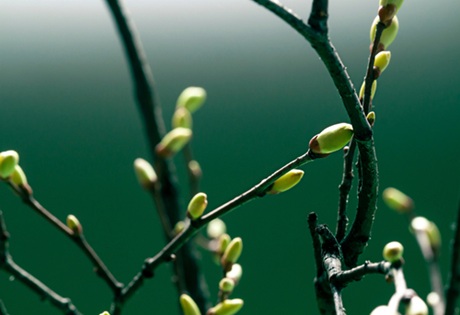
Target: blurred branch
[[3, 310], [453, 288]]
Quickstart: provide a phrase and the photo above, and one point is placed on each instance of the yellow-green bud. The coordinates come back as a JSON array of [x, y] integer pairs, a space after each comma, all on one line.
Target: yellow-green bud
[[105, 313], [224, 240], [397, 200], [18, 177], [8, 161], [74, 224], [388, 9], [226, 307], [384, 310], [381, 62], [197, 206], [373, 89], [226, 285], [416, 306], [189, 306], [393, 251], [145, 173], [331, 139], [286, 182], [371, 118], [235, 273], [388, 34], [195, 168], [182, 118], [232, 252], [192, 98], [216, 228], [173, 142], [179, 227]]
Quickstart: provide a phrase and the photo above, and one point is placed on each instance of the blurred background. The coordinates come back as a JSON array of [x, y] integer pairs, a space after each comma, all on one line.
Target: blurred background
[[67, 107]]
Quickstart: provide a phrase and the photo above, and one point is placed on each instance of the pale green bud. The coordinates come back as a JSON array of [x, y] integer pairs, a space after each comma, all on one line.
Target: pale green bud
[[145, 173], [189, 306], [182, 118], [416, 306], [224, 240], [197, 206], [371, 118], [373, 89], [393, 251], [227, 307], [192, 98], [173, 142], [381, 61], [74, 224], [397, 200], [179, 227], [105, 313], [18, 177], [235, 273], [8, 161], [384, 310], [388, 34], [232, 252], [286, 182], [331, 139], [422, 224], [195, 168], [226, 285], [216, 228]]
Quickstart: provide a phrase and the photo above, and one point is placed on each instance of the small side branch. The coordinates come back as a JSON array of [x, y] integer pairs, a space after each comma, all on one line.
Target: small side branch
[[312, 226], [319, 15], [453, 288], [357, 273]]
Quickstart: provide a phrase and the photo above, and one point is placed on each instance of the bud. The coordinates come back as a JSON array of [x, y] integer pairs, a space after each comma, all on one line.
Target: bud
[[388, 9], [331, 139], [381, 62], [286, 182], [189, 306], [235, 273], [384, 310], [18, 177], [232, 252], [173, 142], [416, 306], [179, 227], [433, 299], [226, 307], [216, 228], [74, 224], [393, 251], [145, 173], [227, 285], [197, 206], [388, 34], [371, 118], [195, 168], [182, 118], [224, 240], [422, 224], [192, 98], [8, 161], [397, 200], [373, 89], [105, 313]]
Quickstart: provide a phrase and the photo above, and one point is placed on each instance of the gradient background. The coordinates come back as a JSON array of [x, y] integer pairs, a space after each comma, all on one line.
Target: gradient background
[[66, 106]]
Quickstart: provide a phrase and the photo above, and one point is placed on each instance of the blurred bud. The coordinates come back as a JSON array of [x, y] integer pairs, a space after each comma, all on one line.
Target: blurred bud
[[192, 98], [371, 118], [196, 206], [145, 173], [422, 224], [235, 273], [373, 89], [388, 9], [433, 299], [226, 307], [105, 313], [232, 252], [74, 224], [189, 306], [397, 200], [416, 306], [179, 227], [393, 251], [226, 285], [173, 142], [381, 62], [388, 34], [331, 139], [216, 228], [18, 177], [182, 118], [224, 240], [286, 182], [8, 161], [384, 310], [195, 168]]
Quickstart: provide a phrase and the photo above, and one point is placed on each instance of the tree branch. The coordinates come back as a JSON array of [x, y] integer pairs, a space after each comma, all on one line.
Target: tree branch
[[453, 288], [319, 15]]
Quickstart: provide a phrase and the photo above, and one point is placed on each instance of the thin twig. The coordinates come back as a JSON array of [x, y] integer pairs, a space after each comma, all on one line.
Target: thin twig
[[3, 310], [453, 288], [400, 288], [194, 175], [312, 225], [359, 272]]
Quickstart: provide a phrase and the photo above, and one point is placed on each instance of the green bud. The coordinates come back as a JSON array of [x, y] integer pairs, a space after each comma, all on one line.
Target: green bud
[[397, 200], [235, 273], [145, 173], [216, 228], [371, 118], [381, 62], [227, 307], [422, 224], [8, 161], [384, 310], [74, 224], [197, 206], [195, 168], [393, 251], [388, 9], [331, 139], [18, 177], [105, 313], [388, 34], [179, 227], [173, 142], [226, 285], [373, 89], [286, 182], [416, 306], [189, 306], [232, 252], [224, 240], [192, 98], [182, 118]]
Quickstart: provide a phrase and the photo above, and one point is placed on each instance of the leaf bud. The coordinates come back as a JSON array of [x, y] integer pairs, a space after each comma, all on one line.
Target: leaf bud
[[226, 285], [173, 142], [235, 273], [179, 227], [18, 177], [422, 224], [8, 161], [416, 306], [232, 253], [192, 98], [381, 62], [397, 200], [388, 9], [388, 34], [433, 299], [384, 310], [393, 251], [105, 313], [216, 228], [189, 306], [74, 224], [286, 182], [373, 89], [371, 118], [197, 206], [331, 139], [145, 173], [226, 307], [182, 118], [224, 240], [195, 168]]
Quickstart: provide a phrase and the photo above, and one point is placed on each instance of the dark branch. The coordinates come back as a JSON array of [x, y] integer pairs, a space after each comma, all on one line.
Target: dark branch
[[453, 288], [319, 15], [357, 273], [312, 226]]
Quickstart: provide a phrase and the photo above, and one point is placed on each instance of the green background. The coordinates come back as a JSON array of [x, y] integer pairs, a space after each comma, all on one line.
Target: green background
[[66, 106]]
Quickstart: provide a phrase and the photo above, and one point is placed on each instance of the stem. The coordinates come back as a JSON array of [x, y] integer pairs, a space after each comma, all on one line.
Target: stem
[[338, 302], [194, 175], [359, 272], [312, 226], [400, 288], [453, 288], [3, 310], [319, 15]]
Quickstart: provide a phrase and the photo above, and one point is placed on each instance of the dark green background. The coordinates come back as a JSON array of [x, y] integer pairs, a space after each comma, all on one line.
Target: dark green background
[[66, 106]]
